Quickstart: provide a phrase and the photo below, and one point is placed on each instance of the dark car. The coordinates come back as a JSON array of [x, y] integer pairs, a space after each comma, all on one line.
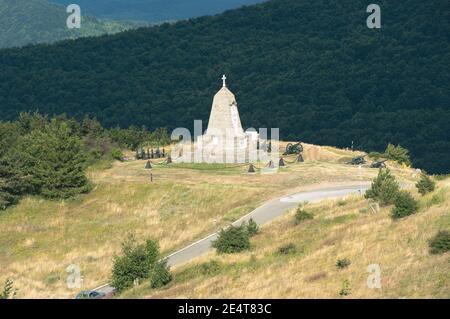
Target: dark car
[[91, 295]]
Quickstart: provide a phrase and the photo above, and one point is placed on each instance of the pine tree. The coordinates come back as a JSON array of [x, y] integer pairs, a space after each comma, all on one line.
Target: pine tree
[[405, 205], [53, 160], [252, 228], [384, 188], [398, 154], [425, 185], [13, 184]]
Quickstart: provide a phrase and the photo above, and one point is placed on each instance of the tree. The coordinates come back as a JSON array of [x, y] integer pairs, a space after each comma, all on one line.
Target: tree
[[252, 228], [160, 274], [398, 154], [13, 183], [384, 188], [9, 134], [440, 243], [404, 205], [92, 127], [232, 240], [135, 263], [9, 194], [425, 184], [161, 137], [116, 153], [53, 160]]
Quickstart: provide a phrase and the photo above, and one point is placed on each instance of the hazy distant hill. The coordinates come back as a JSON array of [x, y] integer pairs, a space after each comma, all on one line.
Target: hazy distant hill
[[311, 68], [156, 10], [38, 21]]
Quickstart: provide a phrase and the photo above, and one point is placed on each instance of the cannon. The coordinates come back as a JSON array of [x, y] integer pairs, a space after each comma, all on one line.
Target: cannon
[[357, 160], [378, 164], [293, 149]]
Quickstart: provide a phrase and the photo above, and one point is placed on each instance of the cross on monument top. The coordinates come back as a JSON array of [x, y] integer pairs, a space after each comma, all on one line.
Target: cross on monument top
[[224, 79]]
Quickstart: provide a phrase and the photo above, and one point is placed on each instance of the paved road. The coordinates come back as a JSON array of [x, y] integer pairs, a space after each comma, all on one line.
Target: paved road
[[261, 215]]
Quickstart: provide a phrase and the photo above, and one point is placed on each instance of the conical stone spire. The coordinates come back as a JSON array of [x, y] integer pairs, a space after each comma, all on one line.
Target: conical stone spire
[[224, 113]]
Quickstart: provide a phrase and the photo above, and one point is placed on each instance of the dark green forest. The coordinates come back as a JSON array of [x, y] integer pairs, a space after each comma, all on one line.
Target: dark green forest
[[311, 68]]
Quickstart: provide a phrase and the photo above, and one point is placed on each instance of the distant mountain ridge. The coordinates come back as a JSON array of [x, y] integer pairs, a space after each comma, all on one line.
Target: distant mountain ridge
[[311, 68], [39, 21], [156, 11]]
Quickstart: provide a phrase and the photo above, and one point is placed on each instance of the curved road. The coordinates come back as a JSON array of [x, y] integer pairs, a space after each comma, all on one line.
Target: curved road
[[261, 215]]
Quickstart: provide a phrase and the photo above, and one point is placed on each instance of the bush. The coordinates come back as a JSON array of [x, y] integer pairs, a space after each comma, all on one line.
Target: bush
[[252, 228], [232, 240], [116, 153], [136, 262], [425, 184], [440, 243], [287, 249], [384, 188], [302, 215], [405, 205], [160, 274], [398, 154], [343, 263]]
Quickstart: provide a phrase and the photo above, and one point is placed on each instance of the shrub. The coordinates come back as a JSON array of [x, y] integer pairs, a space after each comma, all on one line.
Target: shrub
[[425, 184], [398, 154], [346, 289], [302, 215], [160, 274], [252, 228], [440, 243], [405, 205], [287, 249], [135, 263], [384, 188], [8, 290], [232, 240], [116, 153], [343, 263]]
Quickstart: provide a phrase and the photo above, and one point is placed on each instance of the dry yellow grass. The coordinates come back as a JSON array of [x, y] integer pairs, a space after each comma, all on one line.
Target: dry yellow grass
[[39, 239], [340, 229]]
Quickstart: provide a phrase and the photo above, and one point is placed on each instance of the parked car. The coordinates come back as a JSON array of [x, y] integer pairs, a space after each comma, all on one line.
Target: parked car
[[91, 295]]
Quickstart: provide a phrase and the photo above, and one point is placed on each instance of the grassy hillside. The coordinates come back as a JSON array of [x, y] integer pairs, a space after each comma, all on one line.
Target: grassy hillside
[[311, 68], [39, 21], [156, 10], [39, 239], [340, 229]]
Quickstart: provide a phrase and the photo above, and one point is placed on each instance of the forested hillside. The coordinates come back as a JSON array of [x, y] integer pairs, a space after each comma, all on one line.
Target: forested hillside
[[156, 10], [311, 68], [39, 21]]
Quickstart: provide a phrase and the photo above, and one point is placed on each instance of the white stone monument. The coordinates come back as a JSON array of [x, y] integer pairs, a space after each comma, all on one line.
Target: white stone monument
[[225, 140]]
